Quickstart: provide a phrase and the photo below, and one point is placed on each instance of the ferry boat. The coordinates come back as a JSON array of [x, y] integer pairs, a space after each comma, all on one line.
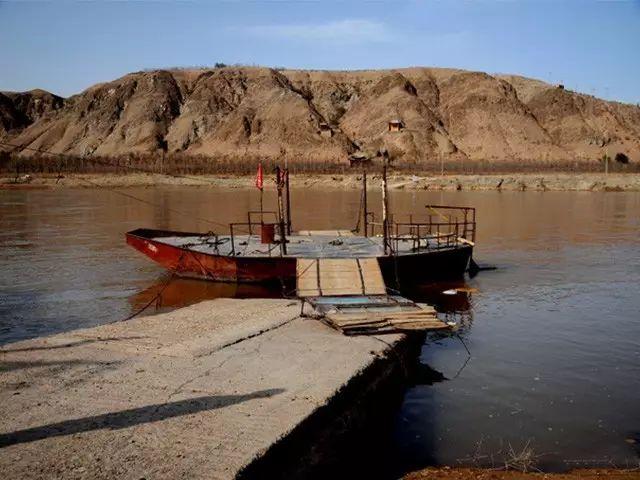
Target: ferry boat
[[438, 244]]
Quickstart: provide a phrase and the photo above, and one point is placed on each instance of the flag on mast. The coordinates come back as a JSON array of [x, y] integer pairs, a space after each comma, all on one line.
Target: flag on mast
[[259, 177]]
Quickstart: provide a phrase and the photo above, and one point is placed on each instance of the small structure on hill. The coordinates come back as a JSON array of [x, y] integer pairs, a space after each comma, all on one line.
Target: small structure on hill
[[396, 125], [326, 130]]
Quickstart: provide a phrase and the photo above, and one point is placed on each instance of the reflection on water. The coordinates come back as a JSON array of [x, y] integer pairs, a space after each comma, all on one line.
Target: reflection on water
[[452, 299], [554, 332], [171, 293]]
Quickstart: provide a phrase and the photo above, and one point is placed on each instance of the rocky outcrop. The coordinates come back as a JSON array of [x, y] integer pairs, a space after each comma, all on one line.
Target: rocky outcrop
[[19, 110]]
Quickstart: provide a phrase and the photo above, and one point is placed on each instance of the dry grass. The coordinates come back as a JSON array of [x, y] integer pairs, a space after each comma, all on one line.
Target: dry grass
[[506, 458], [523, 460]]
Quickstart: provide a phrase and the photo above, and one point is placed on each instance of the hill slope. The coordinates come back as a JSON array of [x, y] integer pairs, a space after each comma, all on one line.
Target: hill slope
[[234, 112]]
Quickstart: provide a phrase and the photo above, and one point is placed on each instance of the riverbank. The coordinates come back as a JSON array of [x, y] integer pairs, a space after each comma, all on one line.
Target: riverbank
[[489, 474], [616, 182]]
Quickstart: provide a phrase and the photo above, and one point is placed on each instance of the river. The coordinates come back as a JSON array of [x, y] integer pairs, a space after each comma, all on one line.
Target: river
[[553, 332]]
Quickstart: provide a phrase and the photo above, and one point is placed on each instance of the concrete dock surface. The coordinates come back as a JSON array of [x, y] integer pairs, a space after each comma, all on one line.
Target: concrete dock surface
[[202, 392]]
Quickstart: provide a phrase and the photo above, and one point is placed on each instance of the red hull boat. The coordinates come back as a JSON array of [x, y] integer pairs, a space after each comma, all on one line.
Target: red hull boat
[[416, 251], [405, 250]]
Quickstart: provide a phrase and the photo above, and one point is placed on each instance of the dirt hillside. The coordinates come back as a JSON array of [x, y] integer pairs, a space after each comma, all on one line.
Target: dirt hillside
[[233, 112]]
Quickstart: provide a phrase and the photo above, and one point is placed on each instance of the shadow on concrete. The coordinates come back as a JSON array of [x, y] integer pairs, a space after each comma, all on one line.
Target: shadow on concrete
[[11, 365], [131, 417], [71, 344]]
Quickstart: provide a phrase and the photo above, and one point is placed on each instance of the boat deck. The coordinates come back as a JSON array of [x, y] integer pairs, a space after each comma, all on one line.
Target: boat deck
[[331, 244]]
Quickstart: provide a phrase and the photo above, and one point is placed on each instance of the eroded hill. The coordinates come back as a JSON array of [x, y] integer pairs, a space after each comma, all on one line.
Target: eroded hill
[[325, 116]]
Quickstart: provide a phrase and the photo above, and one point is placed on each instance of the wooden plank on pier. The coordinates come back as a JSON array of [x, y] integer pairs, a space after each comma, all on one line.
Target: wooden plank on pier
[[307, 277], [340, 276], [364, 322], [360, 278], [372, 276], [366, 316]]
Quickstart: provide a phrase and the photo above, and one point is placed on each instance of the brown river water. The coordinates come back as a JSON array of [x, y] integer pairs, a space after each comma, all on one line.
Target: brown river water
[[554, 332]]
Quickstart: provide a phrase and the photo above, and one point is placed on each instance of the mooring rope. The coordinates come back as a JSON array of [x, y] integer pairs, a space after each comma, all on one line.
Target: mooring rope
[[148, 304], [360, 210]]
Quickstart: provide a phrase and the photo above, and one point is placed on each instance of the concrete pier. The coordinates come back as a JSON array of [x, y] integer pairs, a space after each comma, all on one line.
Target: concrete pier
[[214, 390]]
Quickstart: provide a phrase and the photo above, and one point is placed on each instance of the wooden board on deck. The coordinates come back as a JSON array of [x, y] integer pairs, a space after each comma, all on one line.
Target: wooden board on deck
[[329, 233], [339, 277]]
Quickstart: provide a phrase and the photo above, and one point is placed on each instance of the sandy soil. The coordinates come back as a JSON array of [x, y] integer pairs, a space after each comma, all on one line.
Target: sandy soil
[[482, 474], [517, 182]]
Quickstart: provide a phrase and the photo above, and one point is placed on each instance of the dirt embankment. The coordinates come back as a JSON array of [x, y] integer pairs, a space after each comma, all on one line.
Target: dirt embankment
[[236, 113], [482, 474], [508, 182]]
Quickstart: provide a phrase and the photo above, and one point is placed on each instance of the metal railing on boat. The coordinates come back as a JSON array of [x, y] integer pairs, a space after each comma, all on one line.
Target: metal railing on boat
[[444, 227], [448, 231]]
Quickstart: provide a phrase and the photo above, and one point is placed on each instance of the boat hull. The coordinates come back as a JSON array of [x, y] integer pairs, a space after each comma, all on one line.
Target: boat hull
[[189, 263], [430, 265], [192, 264]]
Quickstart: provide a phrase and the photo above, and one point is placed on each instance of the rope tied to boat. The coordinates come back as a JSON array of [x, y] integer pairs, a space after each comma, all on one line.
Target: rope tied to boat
[[440, 214], [360, 210]]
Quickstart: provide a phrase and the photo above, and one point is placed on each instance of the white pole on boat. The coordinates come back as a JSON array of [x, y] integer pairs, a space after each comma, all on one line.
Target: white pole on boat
[[385, 208], [364, 200]]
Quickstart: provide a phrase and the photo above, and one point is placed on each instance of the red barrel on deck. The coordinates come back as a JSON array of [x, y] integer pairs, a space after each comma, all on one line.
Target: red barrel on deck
[[268, 232]]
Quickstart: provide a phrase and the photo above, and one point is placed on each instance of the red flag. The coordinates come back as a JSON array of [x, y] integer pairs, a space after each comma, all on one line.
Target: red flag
[[259, 177]]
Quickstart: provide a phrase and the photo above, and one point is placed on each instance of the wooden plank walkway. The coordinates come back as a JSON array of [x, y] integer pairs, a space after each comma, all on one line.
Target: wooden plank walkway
[[339, 276], [351, 294]]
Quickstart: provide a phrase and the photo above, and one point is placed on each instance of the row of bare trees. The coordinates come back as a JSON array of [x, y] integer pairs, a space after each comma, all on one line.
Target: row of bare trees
[[181, 164]]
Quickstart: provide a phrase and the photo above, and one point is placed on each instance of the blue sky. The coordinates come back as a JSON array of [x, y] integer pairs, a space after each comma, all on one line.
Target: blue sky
[[64, 47]]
